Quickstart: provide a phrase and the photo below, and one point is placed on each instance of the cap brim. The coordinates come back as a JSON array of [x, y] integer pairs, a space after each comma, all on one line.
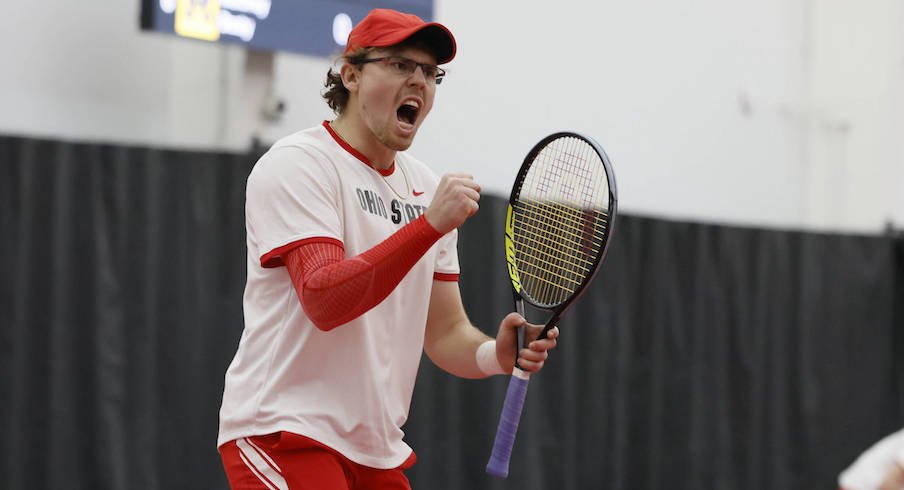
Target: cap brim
[[437, 37]]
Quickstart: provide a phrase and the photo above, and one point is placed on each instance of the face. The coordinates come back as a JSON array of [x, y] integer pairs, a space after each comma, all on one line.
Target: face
[[390, 104]]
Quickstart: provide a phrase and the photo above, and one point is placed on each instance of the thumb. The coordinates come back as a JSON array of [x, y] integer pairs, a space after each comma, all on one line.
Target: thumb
[[513, 321]]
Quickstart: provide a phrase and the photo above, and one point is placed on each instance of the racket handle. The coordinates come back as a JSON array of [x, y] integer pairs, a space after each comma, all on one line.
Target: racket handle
[[508, 424]]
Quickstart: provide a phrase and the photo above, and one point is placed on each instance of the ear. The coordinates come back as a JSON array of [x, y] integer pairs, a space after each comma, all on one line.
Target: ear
[[351, 75]]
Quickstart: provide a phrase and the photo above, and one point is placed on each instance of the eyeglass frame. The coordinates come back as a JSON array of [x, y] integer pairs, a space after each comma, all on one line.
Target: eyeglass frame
[[438, 78]]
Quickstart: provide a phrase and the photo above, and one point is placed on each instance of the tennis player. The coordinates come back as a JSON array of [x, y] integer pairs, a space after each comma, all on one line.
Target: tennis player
[[352, 274]]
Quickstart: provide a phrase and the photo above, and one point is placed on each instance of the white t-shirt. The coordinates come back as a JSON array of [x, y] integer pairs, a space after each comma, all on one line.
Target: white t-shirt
[[349, 388]]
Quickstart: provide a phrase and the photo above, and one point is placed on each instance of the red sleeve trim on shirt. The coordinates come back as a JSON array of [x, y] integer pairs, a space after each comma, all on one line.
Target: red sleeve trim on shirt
[[273, 258], [444, 276]]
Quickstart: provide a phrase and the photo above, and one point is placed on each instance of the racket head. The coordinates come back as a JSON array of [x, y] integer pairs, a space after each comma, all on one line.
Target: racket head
[[560, 219]]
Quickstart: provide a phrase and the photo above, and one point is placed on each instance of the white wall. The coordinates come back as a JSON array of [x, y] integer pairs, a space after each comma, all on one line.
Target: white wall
[[81, 70], [856, 113], [783, 113]]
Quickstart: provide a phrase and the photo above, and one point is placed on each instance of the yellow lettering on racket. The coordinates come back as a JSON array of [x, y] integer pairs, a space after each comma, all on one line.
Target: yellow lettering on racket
[[510, 250]]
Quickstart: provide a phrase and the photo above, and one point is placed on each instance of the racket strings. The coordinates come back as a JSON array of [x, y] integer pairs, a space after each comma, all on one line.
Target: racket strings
[[577, 242], [576, 225], [560, 220], [555, 266]]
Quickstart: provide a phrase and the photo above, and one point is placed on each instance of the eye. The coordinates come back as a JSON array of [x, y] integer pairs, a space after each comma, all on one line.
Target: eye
[[402, 65], [429, 71]]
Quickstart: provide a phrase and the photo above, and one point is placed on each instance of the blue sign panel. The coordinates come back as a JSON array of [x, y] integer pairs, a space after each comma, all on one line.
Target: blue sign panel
[[314, 27]]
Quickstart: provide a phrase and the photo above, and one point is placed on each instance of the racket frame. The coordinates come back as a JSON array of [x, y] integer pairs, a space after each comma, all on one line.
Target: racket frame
[[558, 310], [518, 382]]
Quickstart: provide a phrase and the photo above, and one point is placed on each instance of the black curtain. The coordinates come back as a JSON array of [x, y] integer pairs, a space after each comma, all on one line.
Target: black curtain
[[703, 357]]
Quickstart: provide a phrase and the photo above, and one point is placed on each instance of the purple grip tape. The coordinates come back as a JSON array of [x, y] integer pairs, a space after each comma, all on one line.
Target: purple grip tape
[[508, 426]]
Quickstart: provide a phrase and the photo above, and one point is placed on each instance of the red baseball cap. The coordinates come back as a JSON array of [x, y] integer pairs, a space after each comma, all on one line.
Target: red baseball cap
[[382, 28]]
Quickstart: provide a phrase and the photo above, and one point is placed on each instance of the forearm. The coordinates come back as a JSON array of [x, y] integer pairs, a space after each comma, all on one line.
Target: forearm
[[455, 351], [451, 341], [334, 291]]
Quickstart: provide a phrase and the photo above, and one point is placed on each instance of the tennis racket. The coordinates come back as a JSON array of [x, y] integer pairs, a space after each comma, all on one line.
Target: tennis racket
[[560, 217]]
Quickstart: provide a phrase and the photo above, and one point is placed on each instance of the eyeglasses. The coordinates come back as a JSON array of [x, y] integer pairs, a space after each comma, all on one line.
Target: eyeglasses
[[405, 67]]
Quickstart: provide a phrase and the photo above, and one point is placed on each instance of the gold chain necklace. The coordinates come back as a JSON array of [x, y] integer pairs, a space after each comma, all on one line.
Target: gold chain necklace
[[404, 176]]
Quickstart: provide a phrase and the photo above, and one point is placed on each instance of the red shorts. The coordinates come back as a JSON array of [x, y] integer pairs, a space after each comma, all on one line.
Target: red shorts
[[289, 461]]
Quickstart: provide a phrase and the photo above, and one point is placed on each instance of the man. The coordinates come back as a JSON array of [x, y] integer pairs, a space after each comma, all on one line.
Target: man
[[352, 274]]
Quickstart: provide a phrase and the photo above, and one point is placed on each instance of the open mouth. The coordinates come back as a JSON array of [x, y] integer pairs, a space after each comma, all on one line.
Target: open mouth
[[408, 111]]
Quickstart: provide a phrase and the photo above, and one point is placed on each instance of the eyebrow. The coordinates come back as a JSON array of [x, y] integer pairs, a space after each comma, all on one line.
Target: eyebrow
[[397, 52]]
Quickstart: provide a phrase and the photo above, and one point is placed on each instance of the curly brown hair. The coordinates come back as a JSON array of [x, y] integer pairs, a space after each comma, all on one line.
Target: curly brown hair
[[336, 95]]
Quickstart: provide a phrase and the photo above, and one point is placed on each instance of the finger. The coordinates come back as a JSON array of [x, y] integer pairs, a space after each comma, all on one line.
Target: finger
[[543, 345], [471, 184], [535, 330], [533, 355], [459, 175], [530, 366], [514, 319], [467, 181], [472, 194]]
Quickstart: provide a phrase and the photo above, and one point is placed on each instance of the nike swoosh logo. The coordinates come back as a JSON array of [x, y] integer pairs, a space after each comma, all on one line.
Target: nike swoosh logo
[[416, 193]]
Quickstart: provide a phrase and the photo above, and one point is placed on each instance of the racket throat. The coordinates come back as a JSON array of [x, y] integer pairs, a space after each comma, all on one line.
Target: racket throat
[[521, 333], [549, 326]]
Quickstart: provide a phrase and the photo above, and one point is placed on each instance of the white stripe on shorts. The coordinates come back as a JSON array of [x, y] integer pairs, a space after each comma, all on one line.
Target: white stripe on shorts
[[261, 465], [264, 455]]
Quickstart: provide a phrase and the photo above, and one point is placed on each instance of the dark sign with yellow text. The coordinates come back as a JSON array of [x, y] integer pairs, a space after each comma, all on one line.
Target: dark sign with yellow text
[[313, 27]]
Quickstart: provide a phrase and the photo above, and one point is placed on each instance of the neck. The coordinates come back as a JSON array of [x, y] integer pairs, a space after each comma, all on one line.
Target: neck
[[356, 134]]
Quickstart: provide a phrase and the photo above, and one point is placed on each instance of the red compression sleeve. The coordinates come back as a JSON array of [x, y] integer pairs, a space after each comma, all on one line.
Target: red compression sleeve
[[335, 291]]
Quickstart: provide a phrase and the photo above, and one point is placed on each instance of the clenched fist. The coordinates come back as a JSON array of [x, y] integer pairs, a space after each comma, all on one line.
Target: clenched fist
[[455, 201]]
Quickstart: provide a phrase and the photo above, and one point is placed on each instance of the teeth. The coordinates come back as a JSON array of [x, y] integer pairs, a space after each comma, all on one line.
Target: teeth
[[411, 103]]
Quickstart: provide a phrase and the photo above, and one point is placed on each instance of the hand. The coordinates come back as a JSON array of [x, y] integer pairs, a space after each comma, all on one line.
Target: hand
[[531, 358], [455, 201]]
